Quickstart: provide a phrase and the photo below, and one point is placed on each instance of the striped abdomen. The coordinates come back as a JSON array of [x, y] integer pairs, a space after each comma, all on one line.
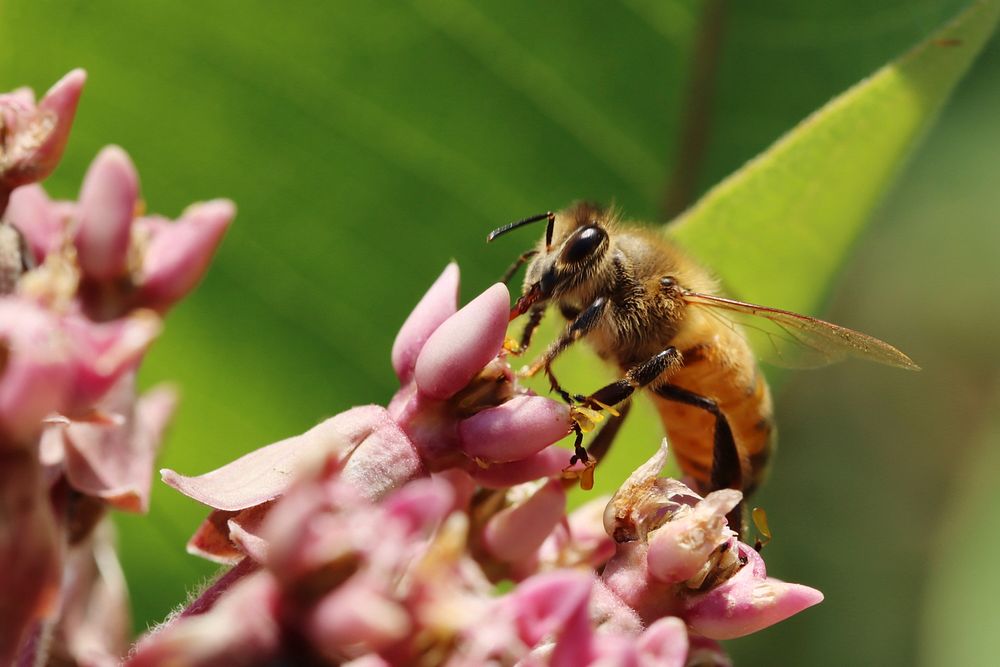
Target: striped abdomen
[[741, 392]]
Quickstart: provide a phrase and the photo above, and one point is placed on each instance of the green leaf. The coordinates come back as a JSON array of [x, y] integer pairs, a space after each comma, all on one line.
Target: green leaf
[[777, 230], [961, 596]]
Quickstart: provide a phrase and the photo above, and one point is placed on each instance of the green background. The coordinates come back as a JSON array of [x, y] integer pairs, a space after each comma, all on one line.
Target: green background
[[366, 144]]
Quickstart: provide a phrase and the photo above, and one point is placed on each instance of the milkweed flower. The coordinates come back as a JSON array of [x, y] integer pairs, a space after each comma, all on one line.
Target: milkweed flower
[[459, 411], [377, 537], [676, 555], [83, 287], [33, 135]]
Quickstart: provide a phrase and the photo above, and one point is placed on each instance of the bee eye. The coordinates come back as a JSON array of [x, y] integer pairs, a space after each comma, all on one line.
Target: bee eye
[[582, 244]]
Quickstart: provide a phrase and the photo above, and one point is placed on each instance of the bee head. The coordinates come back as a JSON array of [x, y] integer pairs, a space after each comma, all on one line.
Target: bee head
[[576, 241]]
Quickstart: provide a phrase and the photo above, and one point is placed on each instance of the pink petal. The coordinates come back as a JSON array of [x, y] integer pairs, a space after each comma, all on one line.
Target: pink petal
[[94, 616], [115, 461], [547, 602], [61, 99], [463, 344], [39, 135], [180, 253], [421, 504], [241, 629], [747, 602], [107, 351], [383, 461], [436, 306], [515, 533], [547, 463], [582, 540], [42, 221], [245, 534], [38, 370], [514, 430], [664, 643], [681, 547], [355, 619], [265, 473], [107, 205]]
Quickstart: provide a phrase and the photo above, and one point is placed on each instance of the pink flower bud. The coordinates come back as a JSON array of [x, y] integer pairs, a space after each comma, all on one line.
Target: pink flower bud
[[437, 305], [514, 534], [179, 253], [43, 222], [747, 602], [515, 430], [35, 136], [107, 205], [463, 344]]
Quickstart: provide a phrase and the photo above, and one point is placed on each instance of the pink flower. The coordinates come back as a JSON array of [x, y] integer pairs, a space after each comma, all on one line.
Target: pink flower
[[459, 403], [676, 555], [119, 260], [33, 136], [61, 363], [461, 412]]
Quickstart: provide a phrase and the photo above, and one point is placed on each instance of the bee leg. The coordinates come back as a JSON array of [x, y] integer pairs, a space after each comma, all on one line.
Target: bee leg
[[578, 328], [534, 319], [637, 377], [512, 269], [727, 470], [600, 445]]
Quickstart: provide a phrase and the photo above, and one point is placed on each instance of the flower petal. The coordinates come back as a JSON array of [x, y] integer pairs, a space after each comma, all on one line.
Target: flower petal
[[514, 534], [437, 305], [463, 344], [179, 253], [547, 463], [266, 473], [115, 461], [42, 221], [747, 602], [515, 430], [242, 628], [108, 199], [680, 548], [664, 643]]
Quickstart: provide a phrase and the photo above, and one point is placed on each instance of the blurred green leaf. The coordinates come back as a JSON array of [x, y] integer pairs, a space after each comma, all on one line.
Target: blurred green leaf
[[959, 621], [777, 230]]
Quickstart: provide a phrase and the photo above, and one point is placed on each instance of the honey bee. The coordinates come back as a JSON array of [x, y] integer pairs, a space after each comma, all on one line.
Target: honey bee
[[642, 304]]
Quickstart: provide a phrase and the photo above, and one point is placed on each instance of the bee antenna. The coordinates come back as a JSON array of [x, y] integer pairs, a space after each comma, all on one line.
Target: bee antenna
[[550, 216]]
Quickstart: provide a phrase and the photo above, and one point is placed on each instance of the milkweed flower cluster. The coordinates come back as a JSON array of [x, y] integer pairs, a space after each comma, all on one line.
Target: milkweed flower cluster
[[379, 536], [433, 530], [83, 288]]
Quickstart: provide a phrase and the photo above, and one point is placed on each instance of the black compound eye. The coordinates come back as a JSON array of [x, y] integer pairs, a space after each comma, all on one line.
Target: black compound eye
[[582, 244]]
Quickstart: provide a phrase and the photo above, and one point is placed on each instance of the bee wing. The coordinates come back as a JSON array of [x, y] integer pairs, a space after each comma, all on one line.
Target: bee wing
[[790, 340]]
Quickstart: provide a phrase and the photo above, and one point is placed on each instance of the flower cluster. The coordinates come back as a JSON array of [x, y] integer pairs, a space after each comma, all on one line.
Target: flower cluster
[[379, 536], [83, 287], [431, 531]]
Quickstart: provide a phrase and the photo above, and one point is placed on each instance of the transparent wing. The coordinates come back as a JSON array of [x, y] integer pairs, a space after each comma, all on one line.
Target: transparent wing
[[791, 340]]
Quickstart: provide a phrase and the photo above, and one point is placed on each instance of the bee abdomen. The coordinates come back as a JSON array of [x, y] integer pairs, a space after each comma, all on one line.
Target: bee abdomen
[[746, 404]]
